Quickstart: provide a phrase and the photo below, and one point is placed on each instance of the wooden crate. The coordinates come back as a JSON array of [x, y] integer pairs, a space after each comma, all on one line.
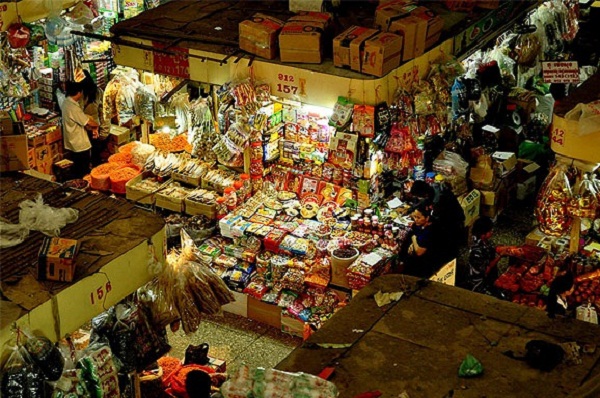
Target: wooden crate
[[195, 208], [269, 314], [138, 195]]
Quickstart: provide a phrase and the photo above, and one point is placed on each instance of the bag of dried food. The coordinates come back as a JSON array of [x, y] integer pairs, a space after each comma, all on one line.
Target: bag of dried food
[[21, 377]]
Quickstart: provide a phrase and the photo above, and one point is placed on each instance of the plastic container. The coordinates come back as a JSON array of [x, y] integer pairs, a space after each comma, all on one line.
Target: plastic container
[[230, 198]]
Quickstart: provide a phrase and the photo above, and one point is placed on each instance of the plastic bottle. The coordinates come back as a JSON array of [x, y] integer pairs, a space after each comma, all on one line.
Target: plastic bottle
[[230, 198], [239, 192], [247, 185]]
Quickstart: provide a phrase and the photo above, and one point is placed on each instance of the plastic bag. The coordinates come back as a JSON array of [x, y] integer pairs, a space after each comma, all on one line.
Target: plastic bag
[[551, 207], [584, 202], [12, 234], [587, 116], [21, 377], [470, 367], [45, 355], [37, 216], [587, 313], [99, 371]]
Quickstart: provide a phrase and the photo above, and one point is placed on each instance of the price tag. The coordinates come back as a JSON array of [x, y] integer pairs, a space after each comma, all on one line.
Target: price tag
[[287, 85], [558, 136], [99, 295]]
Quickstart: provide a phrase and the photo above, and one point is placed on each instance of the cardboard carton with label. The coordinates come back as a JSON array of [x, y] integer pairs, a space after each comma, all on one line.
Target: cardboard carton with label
[[382, 54], [258, 35]]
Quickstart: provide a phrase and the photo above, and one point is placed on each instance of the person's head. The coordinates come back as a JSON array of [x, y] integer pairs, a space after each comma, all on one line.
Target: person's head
[[197, 384], [482, 228], [563, 284], [421, 214], [74, 90], [90, 89], [421, 190]]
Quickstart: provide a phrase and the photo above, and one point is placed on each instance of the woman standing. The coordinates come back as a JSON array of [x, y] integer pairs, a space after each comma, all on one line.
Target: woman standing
[[92, 106]]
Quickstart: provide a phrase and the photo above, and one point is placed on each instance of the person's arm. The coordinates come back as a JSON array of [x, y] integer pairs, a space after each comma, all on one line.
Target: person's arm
[[85, 121], [416, 248]]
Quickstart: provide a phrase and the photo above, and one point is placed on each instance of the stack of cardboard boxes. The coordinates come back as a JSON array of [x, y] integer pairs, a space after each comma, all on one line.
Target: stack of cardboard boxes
[[13, 145], [118, 136], [404, 32], [45, 145]]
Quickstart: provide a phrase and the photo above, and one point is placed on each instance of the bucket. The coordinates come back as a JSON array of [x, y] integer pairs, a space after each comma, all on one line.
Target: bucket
[[339, 266]]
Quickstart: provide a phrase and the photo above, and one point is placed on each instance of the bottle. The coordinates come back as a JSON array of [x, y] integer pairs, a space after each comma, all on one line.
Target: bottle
[[221, 208], [247, 185], [230, 198], [239, 192]]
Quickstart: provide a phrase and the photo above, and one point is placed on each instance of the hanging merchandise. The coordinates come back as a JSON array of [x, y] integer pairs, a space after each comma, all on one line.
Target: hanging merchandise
[[552, 201], [21, 377], [584, 203], [145, 103], [202, 133], [527, 45], [99, 370], [18, 34]]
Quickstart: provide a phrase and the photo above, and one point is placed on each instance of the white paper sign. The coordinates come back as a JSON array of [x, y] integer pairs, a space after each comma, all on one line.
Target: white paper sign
[[560, 72], [371, 259]]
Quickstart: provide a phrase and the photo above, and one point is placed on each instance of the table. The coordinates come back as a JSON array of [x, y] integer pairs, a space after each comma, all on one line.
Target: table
[[117, 240]]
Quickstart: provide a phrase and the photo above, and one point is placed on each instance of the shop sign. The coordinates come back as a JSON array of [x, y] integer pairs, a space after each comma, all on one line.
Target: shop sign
[[171, 64], [560, 72], [288, 85]]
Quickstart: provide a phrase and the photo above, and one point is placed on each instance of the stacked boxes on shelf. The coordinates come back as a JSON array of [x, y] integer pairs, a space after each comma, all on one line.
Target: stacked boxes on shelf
[[45, 87]]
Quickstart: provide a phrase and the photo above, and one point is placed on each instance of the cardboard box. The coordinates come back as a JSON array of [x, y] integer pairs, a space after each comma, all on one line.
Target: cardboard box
[[6, 123], [14, 153], [119, 135], [301, 42], [386, 15], [291, 325], [382, 54], [305, 5], [31, 158], [527, 188], [435, 24], [342, 45], [53, 134], [258, 35], [407, 28], [239, 306], [566, 140], [504, 162], [43, 159], [56, 259], [196, 208], [446, 274], [268, 314], [526, 169], [471, 204], [420, 35], [310, 16]]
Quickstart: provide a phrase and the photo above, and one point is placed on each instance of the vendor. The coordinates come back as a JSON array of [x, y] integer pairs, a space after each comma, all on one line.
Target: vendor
[[92, 106], [419, 259], [447, 216], [561, 288], [75, 124]]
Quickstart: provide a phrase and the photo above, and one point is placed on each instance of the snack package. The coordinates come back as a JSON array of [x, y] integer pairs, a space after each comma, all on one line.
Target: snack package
[[99, 371], [342, 113]]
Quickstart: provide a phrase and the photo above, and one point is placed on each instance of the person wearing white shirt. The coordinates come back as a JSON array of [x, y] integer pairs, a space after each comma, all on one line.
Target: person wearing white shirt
[[75, 124]]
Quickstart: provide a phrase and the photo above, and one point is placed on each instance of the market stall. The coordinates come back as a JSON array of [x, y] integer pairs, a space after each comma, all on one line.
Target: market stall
[[116, 243]]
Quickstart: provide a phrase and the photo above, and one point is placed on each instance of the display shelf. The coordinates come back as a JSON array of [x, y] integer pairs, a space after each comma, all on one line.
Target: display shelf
[[116, 238]]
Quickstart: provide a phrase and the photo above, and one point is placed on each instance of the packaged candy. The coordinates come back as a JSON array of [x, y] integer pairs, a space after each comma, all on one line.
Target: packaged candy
[[584, 202], [551, 206], [342, 113]]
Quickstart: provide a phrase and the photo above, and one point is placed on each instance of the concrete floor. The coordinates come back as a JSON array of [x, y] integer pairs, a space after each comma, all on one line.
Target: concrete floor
[[239, 340]]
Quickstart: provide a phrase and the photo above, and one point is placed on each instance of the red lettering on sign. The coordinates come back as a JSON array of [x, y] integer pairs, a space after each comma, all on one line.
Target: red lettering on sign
[[177, 65]]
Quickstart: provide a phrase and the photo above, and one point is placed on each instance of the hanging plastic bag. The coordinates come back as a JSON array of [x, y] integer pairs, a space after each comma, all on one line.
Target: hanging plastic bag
[[18, 35], [99, 371], [21, 377], [45, 355], [584, 202], [551, 206], [37, 216]]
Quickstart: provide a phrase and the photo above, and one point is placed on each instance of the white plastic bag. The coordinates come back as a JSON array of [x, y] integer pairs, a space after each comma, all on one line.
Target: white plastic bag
[[37, 216], [587, 313], [588, 116], [12, 234]]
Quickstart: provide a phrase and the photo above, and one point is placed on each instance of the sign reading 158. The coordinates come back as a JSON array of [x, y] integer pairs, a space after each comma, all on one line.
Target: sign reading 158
[[284, 88]]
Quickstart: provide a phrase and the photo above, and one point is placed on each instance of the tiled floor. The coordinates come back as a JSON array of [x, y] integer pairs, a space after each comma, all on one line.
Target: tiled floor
[[239, 340]]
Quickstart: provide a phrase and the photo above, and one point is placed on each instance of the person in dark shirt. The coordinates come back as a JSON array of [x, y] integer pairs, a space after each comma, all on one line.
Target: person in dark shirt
[[419, 260], [482, 257], [561, 287], [447, 215]]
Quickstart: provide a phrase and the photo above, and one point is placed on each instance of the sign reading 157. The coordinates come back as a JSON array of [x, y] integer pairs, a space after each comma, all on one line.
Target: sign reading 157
[[284, 88]]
